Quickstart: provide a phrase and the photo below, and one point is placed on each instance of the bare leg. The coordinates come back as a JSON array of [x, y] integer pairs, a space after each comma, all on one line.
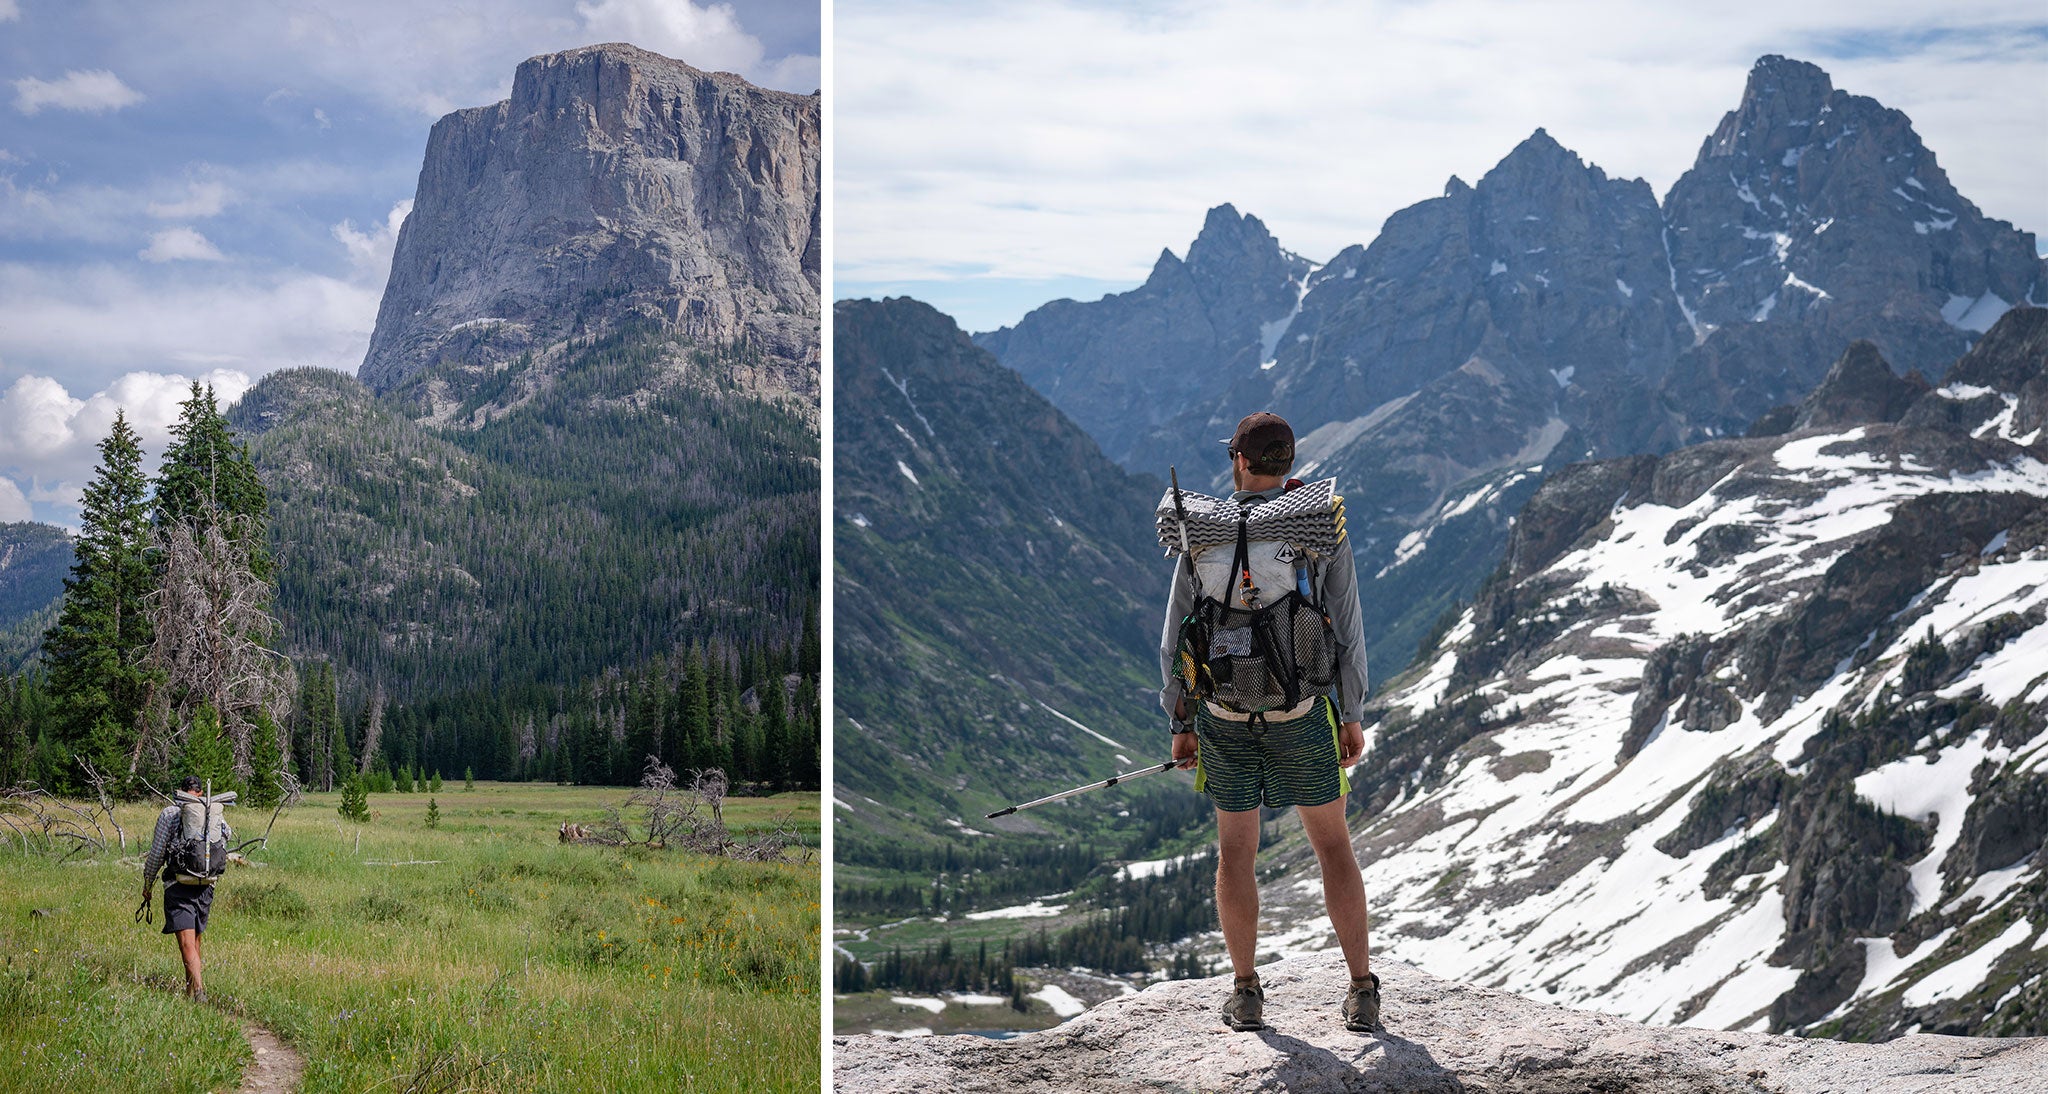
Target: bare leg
[[188, 948], [1237, 886], [1343, 885]]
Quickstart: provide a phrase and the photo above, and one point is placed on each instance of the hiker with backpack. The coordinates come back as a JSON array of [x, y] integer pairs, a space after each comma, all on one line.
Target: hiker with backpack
[[1262, 625], [191, 845]]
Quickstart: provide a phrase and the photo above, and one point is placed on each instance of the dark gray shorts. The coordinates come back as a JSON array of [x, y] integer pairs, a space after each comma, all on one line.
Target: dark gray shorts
[[185, 907], [1275, 764]]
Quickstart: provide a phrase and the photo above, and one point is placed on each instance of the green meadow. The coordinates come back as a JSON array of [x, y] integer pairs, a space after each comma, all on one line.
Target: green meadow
[[480, 955]]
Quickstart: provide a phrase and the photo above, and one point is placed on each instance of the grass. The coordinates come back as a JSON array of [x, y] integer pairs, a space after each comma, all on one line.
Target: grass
[[502, 961]]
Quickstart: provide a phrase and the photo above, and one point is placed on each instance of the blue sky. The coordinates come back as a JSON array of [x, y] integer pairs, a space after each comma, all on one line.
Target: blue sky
[[990, 157], [211, 188]]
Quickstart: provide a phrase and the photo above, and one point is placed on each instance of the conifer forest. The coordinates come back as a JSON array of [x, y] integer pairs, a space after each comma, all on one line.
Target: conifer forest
[[313, 586]]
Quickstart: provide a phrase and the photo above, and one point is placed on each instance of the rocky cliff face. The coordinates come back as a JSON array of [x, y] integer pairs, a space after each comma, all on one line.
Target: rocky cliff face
[[615, 189], [1440, 1036], [1748, 735], [1813, 217], [1549, 313], [1126, 365]]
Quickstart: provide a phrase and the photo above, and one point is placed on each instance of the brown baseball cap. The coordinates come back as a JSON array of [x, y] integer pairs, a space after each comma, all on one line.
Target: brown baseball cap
[[1264, 438]]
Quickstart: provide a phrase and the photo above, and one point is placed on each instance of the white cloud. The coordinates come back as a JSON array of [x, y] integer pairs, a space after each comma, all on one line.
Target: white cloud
[[49, 438], [707, 36], [970, 143], [203, 199], [13, 505], [9, 9], [92, 91], [180, 245], [371, 251]]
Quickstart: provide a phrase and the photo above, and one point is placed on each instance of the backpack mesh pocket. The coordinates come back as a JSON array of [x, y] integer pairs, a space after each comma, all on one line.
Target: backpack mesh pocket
[[1258, 660]]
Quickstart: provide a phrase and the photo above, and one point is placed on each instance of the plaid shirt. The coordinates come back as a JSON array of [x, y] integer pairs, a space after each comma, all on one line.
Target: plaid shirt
[[169, 823]]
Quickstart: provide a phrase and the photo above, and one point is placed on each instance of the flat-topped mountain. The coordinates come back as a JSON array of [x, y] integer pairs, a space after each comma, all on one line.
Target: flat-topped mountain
[[616, 187]]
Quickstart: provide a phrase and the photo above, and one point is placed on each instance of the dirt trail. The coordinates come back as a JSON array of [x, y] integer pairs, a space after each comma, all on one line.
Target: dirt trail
[[276, 1068]]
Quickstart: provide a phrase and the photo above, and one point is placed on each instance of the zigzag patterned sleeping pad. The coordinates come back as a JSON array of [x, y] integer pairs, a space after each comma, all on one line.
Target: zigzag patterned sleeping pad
[[1310, 516]]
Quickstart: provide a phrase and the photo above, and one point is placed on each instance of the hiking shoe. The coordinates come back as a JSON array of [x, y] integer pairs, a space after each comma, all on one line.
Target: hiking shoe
[[1245, 1010], [1362, 1005]]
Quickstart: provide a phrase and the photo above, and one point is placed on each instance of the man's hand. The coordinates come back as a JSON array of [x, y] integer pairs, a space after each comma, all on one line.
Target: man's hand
[[1185, 745], [1351, 739]]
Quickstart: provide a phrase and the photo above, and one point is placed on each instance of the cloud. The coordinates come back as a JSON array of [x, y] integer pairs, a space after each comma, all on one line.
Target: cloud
[[9, 9], [91, 91], [707, 36], [49, 438], [108, 319], [970, 144], [204, 199], [13, 506], [180, 245], [371, 251]]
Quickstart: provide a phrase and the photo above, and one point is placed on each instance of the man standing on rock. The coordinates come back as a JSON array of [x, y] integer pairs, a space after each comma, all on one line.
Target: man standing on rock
[[189, 871], [1262, 623]]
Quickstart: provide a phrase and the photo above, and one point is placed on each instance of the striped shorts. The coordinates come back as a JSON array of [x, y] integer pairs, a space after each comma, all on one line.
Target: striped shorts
[[1242, 765]]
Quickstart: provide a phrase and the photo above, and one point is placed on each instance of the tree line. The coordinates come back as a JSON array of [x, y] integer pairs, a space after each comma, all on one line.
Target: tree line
[[164, 656]]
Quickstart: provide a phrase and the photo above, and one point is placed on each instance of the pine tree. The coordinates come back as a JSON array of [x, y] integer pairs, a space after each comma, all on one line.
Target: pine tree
[[433, 813], [94, 653], [355, 801], [266, 764], [210, 609], [207, 753], [208, 476], [693, 712], [777, 765], [434, 784], [468, 779]]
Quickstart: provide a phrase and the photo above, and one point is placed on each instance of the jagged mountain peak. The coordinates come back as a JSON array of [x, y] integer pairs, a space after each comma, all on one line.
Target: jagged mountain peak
[[1782, 95], [1542, 171], [1230, 236], [1860, 387]]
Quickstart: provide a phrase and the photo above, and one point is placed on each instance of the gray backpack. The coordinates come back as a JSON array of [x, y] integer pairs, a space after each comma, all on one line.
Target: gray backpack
[[199, 854]]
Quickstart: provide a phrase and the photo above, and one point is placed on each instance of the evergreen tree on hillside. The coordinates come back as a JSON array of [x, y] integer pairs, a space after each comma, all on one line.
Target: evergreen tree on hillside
[[776, 760], [207, 753], [210, 611], [693, 713], [209, 477], [266, 764], [94, 654]]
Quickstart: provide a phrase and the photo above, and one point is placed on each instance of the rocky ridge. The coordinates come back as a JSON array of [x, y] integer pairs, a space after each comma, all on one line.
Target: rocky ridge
[[1440, 1036], [1750, 735], [615, 189], [1549, 313], [988, 634]]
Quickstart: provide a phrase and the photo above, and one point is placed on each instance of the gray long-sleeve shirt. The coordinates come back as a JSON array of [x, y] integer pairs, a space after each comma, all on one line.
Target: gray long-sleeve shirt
[[168, 824], [1336, 586]]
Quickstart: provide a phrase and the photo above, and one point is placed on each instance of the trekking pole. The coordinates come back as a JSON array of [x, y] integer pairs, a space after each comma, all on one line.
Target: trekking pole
[[1109, 782]]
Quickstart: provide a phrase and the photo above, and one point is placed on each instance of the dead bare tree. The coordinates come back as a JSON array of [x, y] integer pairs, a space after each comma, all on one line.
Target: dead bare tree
[[373, 728], [213, 627], [710, 784], [98, 782], [664, 813], [44, 822]]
